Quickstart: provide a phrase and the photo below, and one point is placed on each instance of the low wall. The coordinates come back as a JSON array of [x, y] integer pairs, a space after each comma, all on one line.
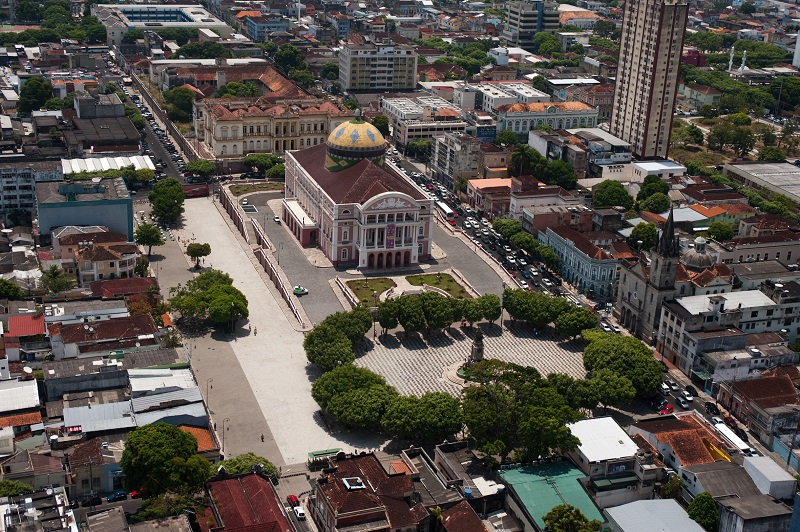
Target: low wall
[[274, 276], [348, 294], [233, 209]]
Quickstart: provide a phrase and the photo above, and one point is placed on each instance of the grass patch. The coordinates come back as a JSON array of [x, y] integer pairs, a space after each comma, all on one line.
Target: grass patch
[[364, 288], [443, 281], [238, 190]]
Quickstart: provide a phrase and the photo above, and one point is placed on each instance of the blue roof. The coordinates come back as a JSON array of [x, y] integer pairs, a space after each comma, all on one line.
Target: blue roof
[[539, 488]]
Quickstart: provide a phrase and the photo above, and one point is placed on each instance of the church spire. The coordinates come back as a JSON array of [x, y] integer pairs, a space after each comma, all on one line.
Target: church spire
[[667, 246]]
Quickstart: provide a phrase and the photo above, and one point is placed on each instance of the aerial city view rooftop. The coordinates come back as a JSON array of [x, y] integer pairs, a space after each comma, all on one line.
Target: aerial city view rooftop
[[414, 265]]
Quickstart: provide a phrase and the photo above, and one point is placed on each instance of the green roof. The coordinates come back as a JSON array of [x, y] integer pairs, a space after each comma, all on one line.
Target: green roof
[[540, 488]]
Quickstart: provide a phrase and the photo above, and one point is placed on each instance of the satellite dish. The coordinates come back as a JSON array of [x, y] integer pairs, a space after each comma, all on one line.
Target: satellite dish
[[7, 231], [138, 344], [85, 327], [49, 491], [27, 370]]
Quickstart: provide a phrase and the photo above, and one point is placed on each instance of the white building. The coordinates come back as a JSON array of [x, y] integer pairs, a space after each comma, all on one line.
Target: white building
[[379, 66], [421, 118], [523, 117], [119, 19]]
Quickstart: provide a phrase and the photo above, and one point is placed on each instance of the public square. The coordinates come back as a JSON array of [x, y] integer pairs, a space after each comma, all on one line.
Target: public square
[[259, 381]]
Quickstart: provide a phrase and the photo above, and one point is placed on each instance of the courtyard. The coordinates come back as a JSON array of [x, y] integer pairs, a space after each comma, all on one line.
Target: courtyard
[[416, 364]]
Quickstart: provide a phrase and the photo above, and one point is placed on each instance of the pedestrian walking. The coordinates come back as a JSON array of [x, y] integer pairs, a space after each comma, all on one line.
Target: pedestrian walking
[[255, 331], [262, 438]]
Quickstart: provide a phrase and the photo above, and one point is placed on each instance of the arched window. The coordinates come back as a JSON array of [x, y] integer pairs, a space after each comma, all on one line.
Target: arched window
[[235, 149], [344, 254], [252, 145], [224, 149], [345, 235], [258, 145], [315, 142]]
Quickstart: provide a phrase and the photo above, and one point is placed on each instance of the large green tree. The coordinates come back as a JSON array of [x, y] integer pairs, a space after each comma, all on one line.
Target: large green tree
[[201, 167], [363, 408], [167, 199], [426, 419], [646, 233], [506, 137], [343, 379], [210, 295], [33, 95], [235, 89], [381, 123], [10, 290], [162, 458], [149, 235], [507, 227], [650, 186], [261, 161], [611, 193], [627, 357], [328, 348], [720, 231], [560, 173], [657, 203], [567, 518], [203, 50], [181, 98], [703, 510], [573, 322], [527, 161]]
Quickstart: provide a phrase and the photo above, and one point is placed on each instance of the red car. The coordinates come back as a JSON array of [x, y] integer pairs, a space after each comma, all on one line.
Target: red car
[[293, 500], [135, 494], [667, 410], [452, 222], [731, 422]]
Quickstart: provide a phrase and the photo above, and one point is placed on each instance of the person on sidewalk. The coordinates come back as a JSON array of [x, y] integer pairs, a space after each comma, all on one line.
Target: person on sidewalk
[[262, 438]]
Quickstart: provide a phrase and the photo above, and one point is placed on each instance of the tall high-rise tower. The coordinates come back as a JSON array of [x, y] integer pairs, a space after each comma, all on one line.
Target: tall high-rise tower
[[647, 77]]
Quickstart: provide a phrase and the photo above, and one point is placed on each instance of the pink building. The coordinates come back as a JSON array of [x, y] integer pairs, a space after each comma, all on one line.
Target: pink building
[[340, 198]]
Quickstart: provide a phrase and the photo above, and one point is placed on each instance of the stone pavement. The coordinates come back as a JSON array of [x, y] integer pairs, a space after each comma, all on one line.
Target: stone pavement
[[271, 357], [419, 364]]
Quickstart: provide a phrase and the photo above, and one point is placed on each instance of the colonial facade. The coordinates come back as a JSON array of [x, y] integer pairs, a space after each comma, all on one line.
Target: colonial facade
[[232, 128], [340, 198], [523, 117]]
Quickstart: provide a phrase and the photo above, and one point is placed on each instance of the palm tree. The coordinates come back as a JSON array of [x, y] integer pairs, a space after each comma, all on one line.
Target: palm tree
[[54, 280]]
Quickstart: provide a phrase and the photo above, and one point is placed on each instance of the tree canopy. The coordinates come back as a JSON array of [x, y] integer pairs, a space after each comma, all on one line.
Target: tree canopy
[[54, 280], [33, 94], [611, 193], [149, 235], [720, 231], [210, 295], [644, 232], [13, 487], [201, 167], [235, 89], [196, 251], [10, 290], [162, 458], [625, 356], [703, 510], [202, 50], [657, 202], [167, 199], [247, 463], [262, 161], [566, 518]]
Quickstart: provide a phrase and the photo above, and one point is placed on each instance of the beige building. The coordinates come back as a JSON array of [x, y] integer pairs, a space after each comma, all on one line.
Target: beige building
[[96, 263], [523, 117], [232, 128], [647, 77], [380, 66]]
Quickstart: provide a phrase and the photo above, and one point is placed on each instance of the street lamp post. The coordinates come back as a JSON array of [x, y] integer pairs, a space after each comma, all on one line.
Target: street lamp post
[[223, 434], [503, 305], [374, 313]]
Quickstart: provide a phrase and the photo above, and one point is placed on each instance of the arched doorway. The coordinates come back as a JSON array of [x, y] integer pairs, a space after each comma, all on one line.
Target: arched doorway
[[407, 259], [389, 260], [398, 257], [371, 260], [380, 260]]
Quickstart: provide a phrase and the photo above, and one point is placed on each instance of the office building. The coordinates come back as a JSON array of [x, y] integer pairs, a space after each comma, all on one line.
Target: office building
[[525, 19], [647, 78], [378, 67]]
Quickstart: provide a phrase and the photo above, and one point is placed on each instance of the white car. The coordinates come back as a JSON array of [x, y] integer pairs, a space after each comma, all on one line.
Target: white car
[[716, 421], [276, 219], [547, 282], [683, 403], [523, 284], [605, 327], [245, 202], [299, 290], [686, 396], [485, 222], [616, 329]]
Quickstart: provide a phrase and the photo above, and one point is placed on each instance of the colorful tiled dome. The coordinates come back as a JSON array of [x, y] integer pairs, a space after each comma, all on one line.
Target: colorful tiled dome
[[352, 142]]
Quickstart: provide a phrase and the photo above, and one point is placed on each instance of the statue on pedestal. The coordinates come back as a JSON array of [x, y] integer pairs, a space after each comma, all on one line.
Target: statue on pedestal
[[476, 353]]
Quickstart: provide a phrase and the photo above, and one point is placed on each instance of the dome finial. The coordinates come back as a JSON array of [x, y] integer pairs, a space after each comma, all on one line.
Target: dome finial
[[357, 118]]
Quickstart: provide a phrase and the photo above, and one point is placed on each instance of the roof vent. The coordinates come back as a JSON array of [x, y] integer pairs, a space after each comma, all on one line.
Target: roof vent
[[353, 483]]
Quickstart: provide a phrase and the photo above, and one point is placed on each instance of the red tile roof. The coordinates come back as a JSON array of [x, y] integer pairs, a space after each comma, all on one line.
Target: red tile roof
[[118, 328], [462, 518], [541, 107], [21, 420], [114, 288], [768, 391], [736, 208], [205, 442], [357, 184], [581, 243], [26, 325], [249, 504]]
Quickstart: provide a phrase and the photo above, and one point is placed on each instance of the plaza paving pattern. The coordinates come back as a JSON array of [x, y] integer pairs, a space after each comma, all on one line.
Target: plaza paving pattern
[[416, 364]]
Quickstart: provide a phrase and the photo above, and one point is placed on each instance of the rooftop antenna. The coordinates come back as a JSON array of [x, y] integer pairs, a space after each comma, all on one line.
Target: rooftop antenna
[[730, 59]]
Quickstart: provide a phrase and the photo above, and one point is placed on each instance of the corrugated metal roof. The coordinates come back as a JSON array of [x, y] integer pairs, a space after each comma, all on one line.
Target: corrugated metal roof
[[176, 397], [147, 380], [194, 414], [663, 515], [26, 325], [18, 395], [108, 416]]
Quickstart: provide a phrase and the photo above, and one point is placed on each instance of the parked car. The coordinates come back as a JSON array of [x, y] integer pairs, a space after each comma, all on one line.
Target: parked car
[[712, 408], [276, 219], [293, 500], [716, 421], [92, 500], [118, 495], [692, 390], [739, 431], [664, 388], [683, 403], [730, 421], [299, 513], [667, 410], [687, 396], [607, 329], [616, 329]]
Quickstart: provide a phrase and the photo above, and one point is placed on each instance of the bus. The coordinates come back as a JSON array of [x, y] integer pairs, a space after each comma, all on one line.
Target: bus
[[735, 441], [446, 211], [195, 191]]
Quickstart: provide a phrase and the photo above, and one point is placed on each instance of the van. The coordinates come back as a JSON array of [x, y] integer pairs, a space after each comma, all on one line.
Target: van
[[664, 388], [299, 513]]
